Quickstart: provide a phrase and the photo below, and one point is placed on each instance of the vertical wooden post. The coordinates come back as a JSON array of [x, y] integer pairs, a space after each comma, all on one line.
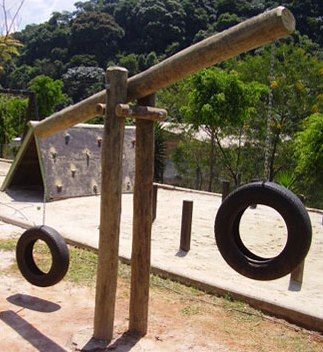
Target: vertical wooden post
[[297, 274], [155, 193], [142, 222], [111, 192], [186, 228], [225, 189]]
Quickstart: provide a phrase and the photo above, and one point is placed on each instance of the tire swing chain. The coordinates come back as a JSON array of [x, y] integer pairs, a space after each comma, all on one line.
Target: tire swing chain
[[270, 116], [293, 211], [44, 206]]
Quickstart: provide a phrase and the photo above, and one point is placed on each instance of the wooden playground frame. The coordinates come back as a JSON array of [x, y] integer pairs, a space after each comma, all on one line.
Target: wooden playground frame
[[251, 34]]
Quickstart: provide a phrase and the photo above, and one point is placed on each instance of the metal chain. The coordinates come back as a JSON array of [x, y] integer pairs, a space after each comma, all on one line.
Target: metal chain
[[270, 117], [44, 206]]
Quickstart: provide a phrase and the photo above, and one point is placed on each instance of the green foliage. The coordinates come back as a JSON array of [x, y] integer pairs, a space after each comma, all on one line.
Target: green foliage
[[221, 104], [191, 160], [80, 82], [9, 47], [160, 153], [12, 118], [96, 33], [309, 150], [49, 94]]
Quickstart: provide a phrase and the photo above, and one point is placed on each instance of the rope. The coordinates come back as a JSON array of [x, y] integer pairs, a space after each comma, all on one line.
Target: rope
[[268, 143]]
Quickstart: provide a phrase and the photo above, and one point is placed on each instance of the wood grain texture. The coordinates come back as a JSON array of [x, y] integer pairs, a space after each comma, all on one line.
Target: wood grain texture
[[250, 34], [141, 112], [142, 222], [111, 181]]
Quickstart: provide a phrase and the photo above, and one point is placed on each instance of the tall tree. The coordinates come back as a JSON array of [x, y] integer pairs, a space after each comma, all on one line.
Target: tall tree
[[220, 103], [49, 94]]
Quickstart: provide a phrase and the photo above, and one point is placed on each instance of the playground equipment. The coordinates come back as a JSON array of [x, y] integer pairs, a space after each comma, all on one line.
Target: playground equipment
[[239, 257], [67, 164], [246, 36]]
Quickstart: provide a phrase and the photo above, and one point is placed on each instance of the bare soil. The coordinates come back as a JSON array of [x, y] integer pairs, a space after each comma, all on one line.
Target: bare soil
[[180, 319]]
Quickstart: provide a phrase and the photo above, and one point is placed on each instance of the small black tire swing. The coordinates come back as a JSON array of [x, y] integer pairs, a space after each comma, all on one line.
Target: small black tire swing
[[26, 262], [238, 256]]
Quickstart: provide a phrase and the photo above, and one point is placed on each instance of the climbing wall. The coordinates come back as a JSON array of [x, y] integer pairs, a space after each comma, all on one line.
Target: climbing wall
[[68, 164]]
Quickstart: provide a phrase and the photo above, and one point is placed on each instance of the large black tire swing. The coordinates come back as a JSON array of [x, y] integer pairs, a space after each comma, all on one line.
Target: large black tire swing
[[238, 256], [59, 252]]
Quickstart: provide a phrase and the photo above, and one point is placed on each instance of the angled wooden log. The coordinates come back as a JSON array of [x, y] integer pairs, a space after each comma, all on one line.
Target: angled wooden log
[[248, 35]]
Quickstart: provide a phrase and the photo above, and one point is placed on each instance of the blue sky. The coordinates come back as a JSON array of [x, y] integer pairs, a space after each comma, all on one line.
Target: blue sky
[[37, 11]]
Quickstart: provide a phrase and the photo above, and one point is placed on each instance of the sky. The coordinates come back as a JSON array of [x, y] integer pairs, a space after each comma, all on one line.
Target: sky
[[37, 11]]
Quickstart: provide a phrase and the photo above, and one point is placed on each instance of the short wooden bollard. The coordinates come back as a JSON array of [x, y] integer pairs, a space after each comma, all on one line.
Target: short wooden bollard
[[111, 188], [297, 274], [225, 189], [142, 223], [155, 192], [186, 228]]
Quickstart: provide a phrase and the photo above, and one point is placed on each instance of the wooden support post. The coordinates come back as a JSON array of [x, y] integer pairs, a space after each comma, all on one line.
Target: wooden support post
[[225, 189], [111, 191], [155, 193], [186, 228], [142, 222], [297, 274]]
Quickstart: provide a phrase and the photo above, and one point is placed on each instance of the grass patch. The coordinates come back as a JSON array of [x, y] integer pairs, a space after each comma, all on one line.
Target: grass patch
[[233, 321], [8, 244]]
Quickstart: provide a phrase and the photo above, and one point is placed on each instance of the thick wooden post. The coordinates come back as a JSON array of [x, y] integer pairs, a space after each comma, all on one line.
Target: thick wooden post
[[142, 222], [111, 187], [186, 228]]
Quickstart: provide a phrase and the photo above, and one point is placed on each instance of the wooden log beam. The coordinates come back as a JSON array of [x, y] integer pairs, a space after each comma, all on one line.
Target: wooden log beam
[[142, 223], [248, 35], [111, 191], [141, 112], [137, 112]]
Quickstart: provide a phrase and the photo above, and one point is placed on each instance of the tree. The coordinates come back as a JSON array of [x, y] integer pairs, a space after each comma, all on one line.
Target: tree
[[308, 149], [159, 24], [220, 103], [80, 82], [296, 85], [49, 94], [12, 118], [191, 161], [96, 33], [9, 46]]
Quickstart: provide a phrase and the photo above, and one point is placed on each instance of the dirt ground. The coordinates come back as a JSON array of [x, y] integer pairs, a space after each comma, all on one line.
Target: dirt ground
[[263, 230], [60, 319]]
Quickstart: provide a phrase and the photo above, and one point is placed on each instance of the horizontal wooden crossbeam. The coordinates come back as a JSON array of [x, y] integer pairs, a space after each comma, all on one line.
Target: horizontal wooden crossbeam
[[136, 112]]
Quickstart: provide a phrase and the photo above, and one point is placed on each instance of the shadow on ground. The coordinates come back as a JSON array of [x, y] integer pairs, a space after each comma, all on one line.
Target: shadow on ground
[[38, 340], [33, 303]]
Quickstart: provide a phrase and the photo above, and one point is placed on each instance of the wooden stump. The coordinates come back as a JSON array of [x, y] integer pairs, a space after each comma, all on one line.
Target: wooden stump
[[111, 185], [186, 228]]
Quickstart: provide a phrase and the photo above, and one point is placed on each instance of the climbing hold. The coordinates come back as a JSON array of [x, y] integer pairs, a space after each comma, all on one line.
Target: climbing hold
[[67, 138]]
